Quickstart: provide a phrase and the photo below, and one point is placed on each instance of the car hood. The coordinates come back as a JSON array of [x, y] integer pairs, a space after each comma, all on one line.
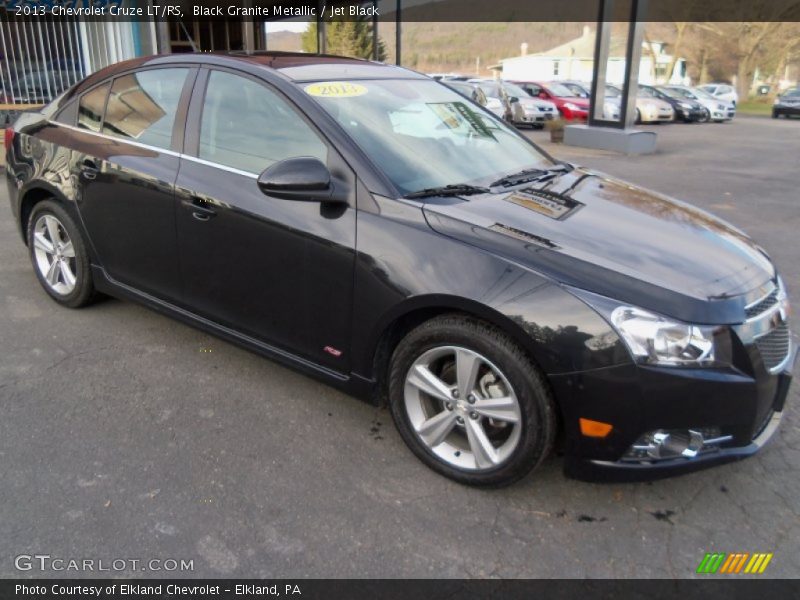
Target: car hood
[[579, 102], [655, 102], [536, 103], [604, 235]]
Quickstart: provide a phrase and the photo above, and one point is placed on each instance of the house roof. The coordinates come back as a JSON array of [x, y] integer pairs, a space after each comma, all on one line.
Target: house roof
[[581, 48]]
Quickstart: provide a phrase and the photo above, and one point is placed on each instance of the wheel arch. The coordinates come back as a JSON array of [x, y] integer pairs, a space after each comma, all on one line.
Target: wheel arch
[[415, 311], [32, 196]]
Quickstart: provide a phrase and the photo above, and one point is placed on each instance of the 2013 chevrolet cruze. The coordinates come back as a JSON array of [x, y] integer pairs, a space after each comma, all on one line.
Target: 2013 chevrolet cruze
[[373, 228]]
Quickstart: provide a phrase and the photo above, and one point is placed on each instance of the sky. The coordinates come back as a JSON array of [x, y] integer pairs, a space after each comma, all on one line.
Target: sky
[[295, 26]]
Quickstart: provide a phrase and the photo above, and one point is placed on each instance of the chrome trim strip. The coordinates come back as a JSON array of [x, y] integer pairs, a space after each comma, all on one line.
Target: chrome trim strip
[[785, 362], [208, 163], [117, 139], [767, 432], [762, 298], [201, 161]]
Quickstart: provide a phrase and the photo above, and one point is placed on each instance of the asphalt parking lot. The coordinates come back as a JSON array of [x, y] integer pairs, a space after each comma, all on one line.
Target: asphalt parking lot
[[126, 435]]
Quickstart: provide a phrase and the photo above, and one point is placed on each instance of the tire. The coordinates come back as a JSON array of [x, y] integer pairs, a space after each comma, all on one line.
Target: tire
[[68, 282], [775, 115], [705, 118], [515, 440]]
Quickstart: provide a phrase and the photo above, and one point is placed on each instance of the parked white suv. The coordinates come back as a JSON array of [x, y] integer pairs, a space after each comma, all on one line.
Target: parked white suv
[[721, 91]]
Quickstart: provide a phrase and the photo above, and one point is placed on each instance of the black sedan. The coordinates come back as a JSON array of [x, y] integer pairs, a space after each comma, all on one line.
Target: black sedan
[[375, 229], [787, 104], [687, 110]]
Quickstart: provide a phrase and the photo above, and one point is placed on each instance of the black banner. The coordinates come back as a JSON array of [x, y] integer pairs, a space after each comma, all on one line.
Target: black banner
[[409, 10], [394, 589]]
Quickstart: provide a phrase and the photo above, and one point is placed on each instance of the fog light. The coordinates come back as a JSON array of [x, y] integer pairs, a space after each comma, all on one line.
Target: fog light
[[664, 444]]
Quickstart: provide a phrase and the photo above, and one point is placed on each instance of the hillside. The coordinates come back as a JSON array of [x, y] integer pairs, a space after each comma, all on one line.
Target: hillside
[[467, 48]]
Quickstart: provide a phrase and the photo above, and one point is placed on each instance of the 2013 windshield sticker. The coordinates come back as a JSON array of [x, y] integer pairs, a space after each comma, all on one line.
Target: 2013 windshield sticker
[[335, 89]]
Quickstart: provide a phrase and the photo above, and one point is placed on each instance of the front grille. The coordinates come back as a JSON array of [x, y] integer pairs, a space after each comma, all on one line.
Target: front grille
[[762, 305], [774, 346]]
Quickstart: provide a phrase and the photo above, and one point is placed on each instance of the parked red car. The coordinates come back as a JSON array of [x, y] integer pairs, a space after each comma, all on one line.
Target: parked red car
[[569, 105]]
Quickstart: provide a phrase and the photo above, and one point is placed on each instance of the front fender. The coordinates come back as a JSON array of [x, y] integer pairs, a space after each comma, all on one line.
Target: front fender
[[403, 268]]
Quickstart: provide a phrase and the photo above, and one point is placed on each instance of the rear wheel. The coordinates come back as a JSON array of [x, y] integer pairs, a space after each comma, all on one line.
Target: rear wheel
[[469, 403], [59, 255]]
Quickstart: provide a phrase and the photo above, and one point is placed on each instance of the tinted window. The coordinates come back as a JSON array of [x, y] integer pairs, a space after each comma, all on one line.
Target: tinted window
[[142, 106], [249, 127], [68, 114], [90, 108]]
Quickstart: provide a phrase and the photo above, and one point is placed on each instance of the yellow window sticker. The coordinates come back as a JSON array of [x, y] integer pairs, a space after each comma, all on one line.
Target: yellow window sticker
[[335, 89]]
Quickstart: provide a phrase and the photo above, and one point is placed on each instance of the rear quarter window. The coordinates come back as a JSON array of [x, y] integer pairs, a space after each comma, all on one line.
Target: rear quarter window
[[91, 107]]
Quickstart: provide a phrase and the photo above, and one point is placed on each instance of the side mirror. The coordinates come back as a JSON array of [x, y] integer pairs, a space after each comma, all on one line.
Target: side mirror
[[302, 178], [513, 99]]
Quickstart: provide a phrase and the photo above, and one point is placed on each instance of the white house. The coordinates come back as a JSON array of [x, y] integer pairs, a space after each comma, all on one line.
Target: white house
[[575, 59]]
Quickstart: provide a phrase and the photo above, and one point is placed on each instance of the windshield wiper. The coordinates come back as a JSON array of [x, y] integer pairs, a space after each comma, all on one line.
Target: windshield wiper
[[527, 175], [458, 189]]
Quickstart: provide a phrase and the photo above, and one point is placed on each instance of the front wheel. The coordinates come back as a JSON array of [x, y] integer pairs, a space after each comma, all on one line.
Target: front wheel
[[469, 402], [59, 255]]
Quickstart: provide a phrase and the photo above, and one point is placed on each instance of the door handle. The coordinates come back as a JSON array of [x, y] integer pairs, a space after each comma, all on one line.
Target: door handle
[[89, 169], [200, 208]]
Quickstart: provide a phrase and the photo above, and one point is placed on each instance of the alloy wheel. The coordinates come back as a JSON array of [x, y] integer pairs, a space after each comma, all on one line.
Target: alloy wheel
[[463, 408], [55, 255]]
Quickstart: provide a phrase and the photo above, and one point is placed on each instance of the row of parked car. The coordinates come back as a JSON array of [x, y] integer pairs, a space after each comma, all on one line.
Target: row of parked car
[[533, 103]]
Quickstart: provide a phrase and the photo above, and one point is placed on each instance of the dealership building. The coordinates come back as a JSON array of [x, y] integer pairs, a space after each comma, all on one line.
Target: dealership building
[[42, 56]]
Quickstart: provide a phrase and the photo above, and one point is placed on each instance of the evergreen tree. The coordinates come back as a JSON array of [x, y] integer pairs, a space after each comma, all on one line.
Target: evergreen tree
[[346, 38]]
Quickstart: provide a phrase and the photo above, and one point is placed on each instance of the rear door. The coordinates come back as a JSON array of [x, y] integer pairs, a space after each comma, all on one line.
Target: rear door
[[280, 271], [128, 138]]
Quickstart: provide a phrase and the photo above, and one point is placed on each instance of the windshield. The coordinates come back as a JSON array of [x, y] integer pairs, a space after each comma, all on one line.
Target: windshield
[[677, 94], [680, 93], [423, 134], [647, 92], [512, 89], [560, 90], [491, 90], [698, 93], [792, 92], [577, 90]]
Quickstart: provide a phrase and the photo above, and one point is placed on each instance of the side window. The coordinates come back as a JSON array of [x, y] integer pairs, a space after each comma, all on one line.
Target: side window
[[142, 106], [68, 114], [90, 107], [247, 126]]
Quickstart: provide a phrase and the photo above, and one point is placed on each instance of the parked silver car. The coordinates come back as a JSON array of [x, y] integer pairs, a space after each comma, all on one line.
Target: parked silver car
[[719, 110]]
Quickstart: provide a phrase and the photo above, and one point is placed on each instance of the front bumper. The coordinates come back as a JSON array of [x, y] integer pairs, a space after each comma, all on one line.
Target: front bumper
[[636, 399], [695, 114], [786, 109], [536, 117]]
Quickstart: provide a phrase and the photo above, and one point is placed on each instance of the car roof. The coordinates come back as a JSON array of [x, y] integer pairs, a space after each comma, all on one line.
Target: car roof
[[295, 66]]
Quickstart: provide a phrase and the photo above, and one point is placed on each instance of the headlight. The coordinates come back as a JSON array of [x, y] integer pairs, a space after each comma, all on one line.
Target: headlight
[[571, 106], [657, 340], [721, 107]]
